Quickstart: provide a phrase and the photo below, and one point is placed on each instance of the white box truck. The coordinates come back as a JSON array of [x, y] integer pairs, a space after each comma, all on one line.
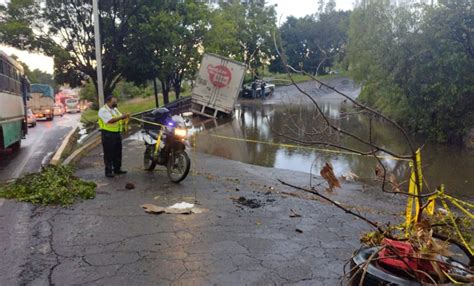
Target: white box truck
[[217, 86], [41, 101]]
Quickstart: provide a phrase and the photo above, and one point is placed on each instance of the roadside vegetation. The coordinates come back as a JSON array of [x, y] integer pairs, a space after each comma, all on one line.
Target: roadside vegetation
[[55, 185], [417, 64]]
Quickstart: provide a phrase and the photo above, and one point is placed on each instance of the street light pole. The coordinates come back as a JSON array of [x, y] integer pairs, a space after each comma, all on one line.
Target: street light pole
[[98, 52]]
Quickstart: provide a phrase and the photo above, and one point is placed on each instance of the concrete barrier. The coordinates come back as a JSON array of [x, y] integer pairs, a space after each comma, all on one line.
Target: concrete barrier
[[88, 146], [66, 142]]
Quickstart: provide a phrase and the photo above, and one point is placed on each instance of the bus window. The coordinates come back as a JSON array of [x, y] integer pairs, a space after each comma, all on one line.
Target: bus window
[[8, 70], [1, 66]]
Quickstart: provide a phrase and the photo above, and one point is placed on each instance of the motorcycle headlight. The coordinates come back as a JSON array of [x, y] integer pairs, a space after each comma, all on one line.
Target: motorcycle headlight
[[180, 132]]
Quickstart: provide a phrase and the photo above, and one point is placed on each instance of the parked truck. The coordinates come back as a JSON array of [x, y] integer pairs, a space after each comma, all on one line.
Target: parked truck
[[41, 101]]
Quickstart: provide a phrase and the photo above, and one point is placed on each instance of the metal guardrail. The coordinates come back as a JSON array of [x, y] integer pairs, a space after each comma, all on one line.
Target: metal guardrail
[[91, 140]]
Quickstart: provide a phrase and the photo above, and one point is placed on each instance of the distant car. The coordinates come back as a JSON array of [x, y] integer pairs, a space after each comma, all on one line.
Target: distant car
[[31, 118], [59, 110], [247, 89]]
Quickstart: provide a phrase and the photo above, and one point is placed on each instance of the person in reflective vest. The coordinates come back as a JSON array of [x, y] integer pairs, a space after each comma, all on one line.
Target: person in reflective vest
[[111, 122]]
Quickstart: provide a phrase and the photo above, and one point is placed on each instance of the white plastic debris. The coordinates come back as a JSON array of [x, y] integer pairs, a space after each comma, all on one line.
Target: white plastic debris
[[181, 206]]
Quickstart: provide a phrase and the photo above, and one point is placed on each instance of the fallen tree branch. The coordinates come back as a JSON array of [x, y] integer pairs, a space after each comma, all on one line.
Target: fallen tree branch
[[458, 244], [314, 192]]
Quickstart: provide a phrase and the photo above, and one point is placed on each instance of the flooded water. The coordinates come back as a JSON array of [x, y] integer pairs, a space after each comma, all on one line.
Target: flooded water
[[265, 126]]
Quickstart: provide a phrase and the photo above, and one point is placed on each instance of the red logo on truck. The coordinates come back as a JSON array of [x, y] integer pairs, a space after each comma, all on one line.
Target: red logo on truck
[[220, 76]]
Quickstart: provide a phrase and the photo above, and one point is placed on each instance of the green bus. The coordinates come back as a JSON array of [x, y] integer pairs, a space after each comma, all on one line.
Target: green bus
[[13, 96]]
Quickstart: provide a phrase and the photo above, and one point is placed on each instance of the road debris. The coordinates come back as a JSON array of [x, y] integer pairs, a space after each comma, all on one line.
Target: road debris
[[349, 177], [251, 203], [299, 230], [153, 209], [327, 172], [178, 208], [294, 213], [129, 186]]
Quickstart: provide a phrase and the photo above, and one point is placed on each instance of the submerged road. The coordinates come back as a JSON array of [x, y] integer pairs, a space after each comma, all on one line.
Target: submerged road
[[15, 218]]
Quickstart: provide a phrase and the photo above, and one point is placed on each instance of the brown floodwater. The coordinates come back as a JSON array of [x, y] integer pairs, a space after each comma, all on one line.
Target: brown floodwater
[[259, 130]]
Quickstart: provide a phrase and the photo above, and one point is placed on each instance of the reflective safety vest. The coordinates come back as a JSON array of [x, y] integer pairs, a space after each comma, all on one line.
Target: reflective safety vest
[[111, 127]]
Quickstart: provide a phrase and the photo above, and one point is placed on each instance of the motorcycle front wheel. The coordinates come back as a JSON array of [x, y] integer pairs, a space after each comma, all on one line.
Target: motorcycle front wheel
[[149, 163], [178, 166]]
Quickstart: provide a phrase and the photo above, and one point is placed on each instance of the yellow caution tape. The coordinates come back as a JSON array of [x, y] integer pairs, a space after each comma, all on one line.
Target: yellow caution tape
[[290, 146], [160, 134], [458, 231], [414, 191], [147, 122], [470, 215], [281, 144], [431, 204], [469, 205], [410, 201], [451, 278], [158, 142]]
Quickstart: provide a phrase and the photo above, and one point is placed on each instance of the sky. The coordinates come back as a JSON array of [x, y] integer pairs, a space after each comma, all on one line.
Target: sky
[[301, 8], [285, 8]]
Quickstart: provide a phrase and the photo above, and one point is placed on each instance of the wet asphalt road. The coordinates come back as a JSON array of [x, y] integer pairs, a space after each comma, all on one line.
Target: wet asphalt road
[[37, 149]]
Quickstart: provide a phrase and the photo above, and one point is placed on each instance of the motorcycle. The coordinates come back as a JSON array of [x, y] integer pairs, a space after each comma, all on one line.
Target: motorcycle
[[165, 144]]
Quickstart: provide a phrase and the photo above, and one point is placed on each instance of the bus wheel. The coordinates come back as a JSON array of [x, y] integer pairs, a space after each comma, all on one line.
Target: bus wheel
[[16, 146]]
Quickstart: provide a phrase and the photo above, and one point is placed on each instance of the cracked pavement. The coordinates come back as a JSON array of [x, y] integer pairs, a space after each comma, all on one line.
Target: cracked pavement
[[110, 240]]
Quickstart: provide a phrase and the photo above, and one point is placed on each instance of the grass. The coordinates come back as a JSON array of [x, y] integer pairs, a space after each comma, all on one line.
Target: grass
[[134, 105]]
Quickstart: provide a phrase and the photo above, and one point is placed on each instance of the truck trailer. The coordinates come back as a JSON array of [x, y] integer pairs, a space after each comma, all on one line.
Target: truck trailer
[[41, 101]]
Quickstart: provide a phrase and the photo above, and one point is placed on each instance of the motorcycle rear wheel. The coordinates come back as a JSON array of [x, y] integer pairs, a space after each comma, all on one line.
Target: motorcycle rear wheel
[[149, 163], [178, 166]]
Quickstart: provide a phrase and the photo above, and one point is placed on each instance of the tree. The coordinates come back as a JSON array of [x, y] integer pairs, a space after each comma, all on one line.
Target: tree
[[64, 30], [330, 7], [164, 41], [89, 93], [313, 42], [243, 32], [417, 65]]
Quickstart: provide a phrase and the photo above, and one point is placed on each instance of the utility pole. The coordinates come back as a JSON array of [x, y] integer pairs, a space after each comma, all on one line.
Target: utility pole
[[156, 92], [98, 52]]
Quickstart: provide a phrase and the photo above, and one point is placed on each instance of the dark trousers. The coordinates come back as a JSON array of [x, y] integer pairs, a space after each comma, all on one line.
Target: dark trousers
[[112, 144]]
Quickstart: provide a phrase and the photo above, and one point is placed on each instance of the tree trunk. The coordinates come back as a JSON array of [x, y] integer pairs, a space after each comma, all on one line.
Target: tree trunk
[[107, 91], [156, 93], [177, 90], [177, 78], [165, 87]]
